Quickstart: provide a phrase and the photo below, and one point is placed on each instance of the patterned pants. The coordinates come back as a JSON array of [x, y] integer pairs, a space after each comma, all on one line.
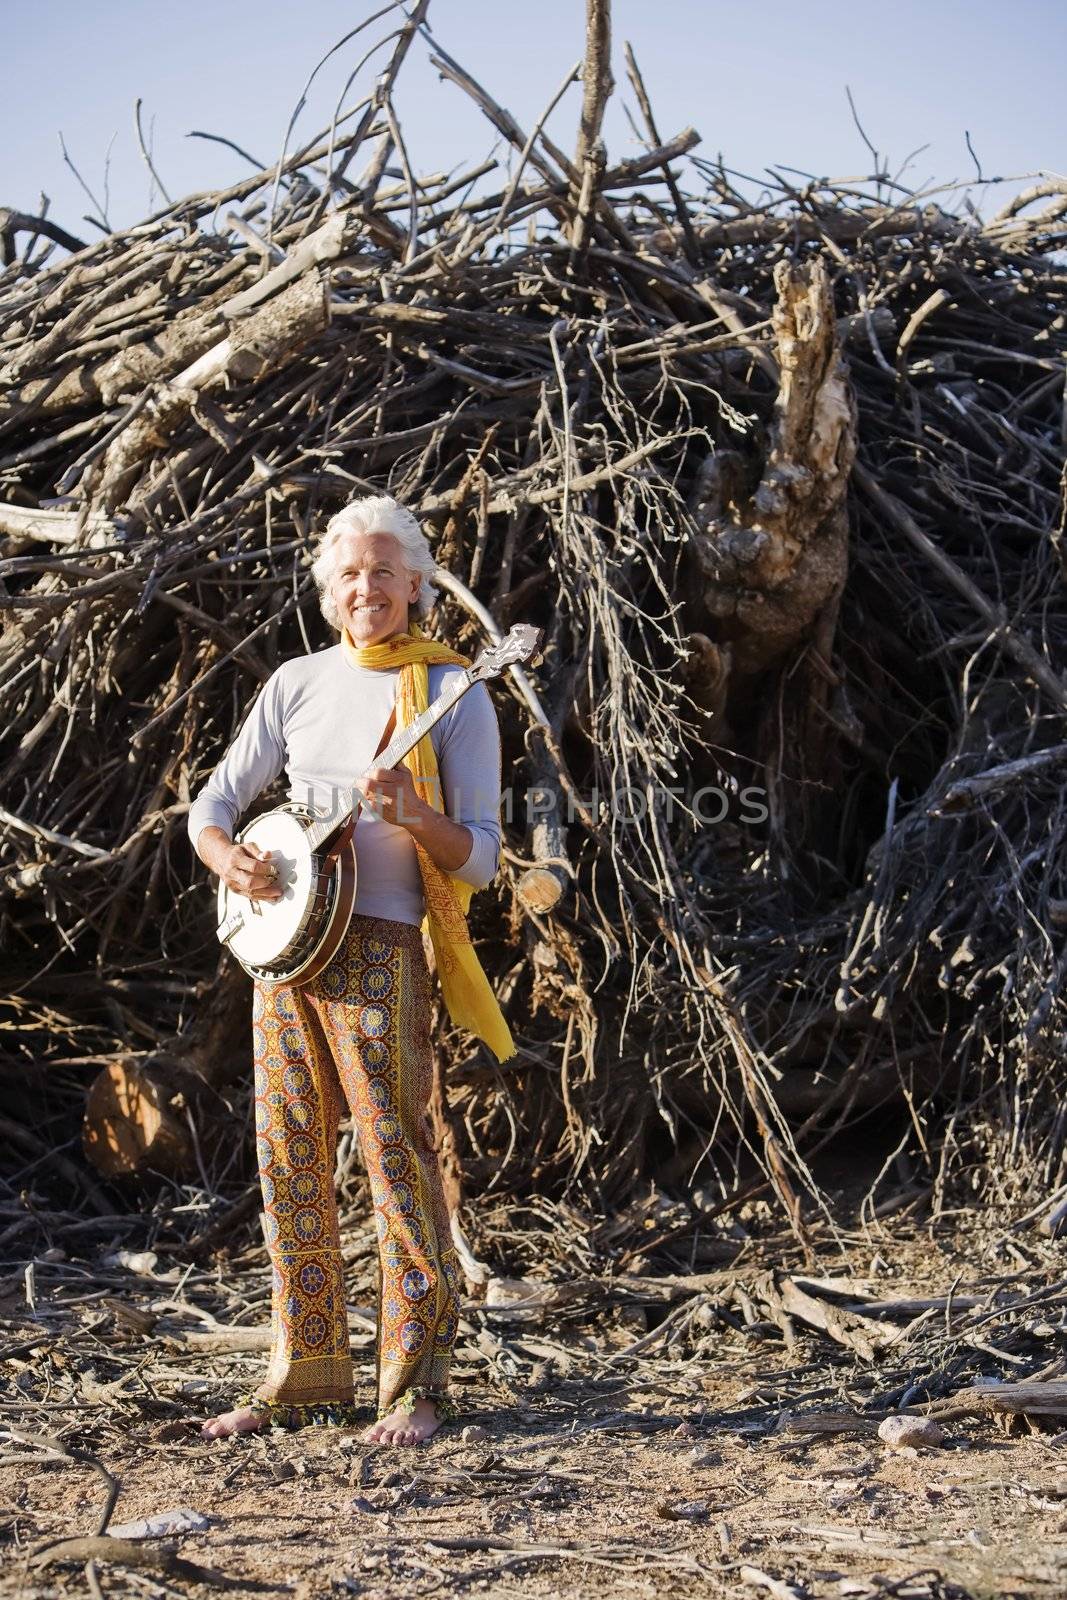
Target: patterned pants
[[358, 1034]]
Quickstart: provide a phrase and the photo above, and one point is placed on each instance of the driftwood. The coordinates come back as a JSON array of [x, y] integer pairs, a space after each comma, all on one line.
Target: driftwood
[[781, 477], [774, 566], [1025, 1399]]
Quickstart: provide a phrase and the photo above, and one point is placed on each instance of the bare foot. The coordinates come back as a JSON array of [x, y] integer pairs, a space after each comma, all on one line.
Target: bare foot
[[402, 1427], [244, 1420]]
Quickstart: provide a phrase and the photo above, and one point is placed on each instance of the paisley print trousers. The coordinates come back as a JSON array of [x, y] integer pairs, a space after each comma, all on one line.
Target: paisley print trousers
[[356, 1036]]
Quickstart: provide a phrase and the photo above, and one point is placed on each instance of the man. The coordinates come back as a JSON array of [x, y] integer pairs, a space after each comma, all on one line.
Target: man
[[359, 1032]]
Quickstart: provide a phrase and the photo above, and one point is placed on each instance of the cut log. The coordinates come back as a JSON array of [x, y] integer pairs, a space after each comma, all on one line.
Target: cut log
[[132, 1126], [137, 1116], [544, 883]]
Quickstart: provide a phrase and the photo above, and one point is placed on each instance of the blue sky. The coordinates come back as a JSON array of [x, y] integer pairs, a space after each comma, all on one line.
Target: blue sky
[[764, 84]]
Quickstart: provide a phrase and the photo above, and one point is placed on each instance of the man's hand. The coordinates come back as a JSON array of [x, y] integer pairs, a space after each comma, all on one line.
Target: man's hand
[[391, 792], [244, 868], [248, 870]]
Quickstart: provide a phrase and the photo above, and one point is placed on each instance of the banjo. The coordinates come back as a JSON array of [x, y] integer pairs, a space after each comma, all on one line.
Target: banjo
[[290, 940]]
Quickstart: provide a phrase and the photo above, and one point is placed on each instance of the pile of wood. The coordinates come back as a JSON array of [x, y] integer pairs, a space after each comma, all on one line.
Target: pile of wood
[[780, 476]]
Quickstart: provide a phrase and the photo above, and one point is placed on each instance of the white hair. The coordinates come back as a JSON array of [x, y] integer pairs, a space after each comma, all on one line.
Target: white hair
[[374, 513]]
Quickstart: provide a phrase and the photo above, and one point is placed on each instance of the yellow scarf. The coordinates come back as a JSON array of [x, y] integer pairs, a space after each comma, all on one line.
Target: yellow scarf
[[471, 1002]]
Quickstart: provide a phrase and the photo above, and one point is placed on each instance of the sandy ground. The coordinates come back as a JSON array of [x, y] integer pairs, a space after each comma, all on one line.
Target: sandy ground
[[629, 1490], [574, 1476]]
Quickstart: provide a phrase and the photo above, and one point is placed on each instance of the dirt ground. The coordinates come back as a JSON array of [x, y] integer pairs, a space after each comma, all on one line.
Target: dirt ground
[[576, 1469]]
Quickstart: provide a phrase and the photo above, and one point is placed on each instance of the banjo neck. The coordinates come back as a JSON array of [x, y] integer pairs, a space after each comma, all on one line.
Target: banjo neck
[[323, 830]]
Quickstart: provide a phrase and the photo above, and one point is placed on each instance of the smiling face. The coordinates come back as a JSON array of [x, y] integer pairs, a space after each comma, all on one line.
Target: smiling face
[[371, 586]]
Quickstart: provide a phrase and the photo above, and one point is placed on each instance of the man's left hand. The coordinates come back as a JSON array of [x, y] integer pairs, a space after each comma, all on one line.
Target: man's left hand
[[391, 792]]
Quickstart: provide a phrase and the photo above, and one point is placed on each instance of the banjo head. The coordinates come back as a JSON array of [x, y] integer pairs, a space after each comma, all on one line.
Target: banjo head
[[266, 927]]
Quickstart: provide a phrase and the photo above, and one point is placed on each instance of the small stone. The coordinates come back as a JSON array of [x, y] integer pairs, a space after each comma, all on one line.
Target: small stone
[[181, 1520], [910, 1433], [474, 1433], [140, 1261]]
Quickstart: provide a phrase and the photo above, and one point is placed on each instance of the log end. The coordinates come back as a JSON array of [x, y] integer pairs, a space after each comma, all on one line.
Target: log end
[[541, 888], [130, 1125]]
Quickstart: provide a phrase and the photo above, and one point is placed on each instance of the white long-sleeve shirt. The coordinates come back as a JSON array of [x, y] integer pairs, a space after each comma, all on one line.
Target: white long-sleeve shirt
[[321, 718]]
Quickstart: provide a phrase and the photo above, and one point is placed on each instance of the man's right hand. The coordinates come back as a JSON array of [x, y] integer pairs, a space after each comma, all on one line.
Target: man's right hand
[[244, 868], [247, 870]]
